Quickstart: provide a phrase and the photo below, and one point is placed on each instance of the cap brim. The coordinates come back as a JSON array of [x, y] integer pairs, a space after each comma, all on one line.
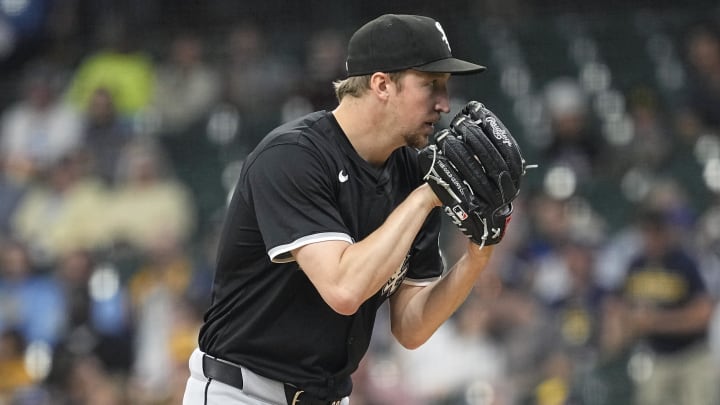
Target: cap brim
[[451, 65]]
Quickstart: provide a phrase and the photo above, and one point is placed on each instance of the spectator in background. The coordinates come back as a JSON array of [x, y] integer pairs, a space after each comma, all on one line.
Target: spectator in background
[[147, 203], [39, 128], [22, 30], [187, 85], [126, 72], [97, 321], [324, 63], [565, 284], [89, 382], [668, 309], [652, 143], [519, 322], [555, 376], [30, 302], [707, 242], [607, 380], [11, 192], [163, 290], [666, 195], [106, 133], [703, 55], [573, 142], [462, 354], [183, 338], [257, 81], [64, 212], [550, 224], [13, 373]]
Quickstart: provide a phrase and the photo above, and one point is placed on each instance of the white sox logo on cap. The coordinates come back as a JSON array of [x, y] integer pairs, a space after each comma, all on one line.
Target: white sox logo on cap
[[444, 37]]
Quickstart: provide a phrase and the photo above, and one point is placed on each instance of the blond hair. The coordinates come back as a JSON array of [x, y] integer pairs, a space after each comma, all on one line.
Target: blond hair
[[356, 86]]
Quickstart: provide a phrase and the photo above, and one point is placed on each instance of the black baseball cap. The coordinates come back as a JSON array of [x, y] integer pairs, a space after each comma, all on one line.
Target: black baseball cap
[[394, 42]]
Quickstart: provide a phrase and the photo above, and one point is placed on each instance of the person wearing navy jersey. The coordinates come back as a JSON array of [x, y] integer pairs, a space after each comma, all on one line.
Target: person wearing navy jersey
[[668, 314], [330, 218]]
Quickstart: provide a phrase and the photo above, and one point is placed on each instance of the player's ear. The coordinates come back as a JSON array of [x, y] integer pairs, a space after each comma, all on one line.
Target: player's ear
[[379, 83]]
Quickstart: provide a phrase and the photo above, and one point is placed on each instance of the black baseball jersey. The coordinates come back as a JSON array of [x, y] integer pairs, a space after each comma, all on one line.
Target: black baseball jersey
[[305, 183]]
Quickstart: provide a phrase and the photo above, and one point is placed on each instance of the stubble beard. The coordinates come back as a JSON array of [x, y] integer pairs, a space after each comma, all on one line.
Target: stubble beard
[[417, 140]]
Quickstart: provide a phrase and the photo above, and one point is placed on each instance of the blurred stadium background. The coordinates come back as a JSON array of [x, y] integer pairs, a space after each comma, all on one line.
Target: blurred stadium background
[[125, 124]]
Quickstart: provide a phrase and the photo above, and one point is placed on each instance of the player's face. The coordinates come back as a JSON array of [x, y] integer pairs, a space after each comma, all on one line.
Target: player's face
[[421, 99]]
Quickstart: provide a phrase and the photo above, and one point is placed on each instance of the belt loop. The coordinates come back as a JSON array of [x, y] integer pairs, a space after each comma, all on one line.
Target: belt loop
[[296, 397]]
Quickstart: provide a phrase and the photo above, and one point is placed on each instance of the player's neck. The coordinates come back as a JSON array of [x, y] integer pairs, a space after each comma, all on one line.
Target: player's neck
[[365, 127]]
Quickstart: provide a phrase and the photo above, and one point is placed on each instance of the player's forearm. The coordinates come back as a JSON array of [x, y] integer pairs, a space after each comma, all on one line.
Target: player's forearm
[[347, 275], [368, 264], [418, 312]]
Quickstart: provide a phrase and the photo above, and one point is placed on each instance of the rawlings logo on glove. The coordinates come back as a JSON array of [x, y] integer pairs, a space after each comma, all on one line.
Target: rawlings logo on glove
[[475, 168]]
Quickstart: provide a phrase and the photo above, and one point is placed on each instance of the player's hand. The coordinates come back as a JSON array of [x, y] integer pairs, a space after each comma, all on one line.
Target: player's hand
[[475, 168]]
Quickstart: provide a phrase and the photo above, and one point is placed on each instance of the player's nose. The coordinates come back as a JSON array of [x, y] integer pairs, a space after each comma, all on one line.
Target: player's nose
[[442, 103]]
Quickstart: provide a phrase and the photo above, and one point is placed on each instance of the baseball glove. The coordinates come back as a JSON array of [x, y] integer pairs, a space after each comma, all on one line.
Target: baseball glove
[[475, 168]]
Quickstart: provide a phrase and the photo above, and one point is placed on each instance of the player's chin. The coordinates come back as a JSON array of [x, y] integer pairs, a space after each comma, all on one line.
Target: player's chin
[[419, 141], [427, 130]]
